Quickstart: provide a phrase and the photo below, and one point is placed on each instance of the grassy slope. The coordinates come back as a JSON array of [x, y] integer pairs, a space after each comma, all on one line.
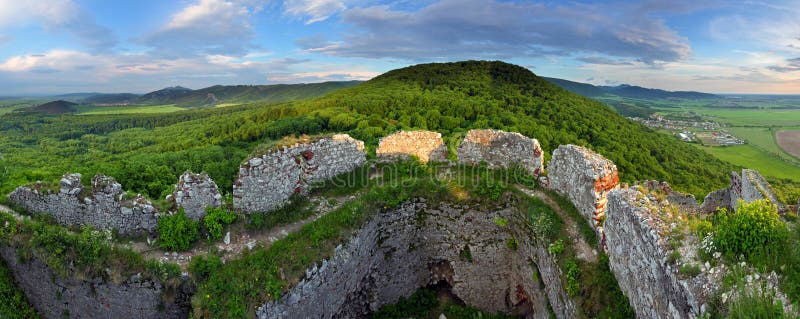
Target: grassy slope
[[96, 110], [749, 156]]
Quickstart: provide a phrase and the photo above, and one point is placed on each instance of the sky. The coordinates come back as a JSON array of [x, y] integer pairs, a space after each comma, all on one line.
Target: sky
[[64, 46]]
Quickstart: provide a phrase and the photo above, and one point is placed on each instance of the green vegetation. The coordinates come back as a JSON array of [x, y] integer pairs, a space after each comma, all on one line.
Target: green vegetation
[[14, 304], [133, 109], [177, 232], [749, 156], [573, 287], [753, 230], [756, 305], [424, 303], [87, 254], [146, 152], [215, 221]]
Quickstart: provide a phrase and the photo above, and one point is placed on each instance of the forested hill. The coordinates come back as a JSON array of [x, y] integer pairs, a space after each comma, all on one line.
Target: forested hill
[[219, 94], [146, 153]]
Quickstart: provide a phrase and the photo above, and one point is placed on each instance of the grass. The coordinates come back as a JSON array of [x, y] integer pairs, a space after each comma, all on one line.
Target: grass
[[425, 303], [751, 157], [133, 109], [14, 304], [751, 118], [762, 138]]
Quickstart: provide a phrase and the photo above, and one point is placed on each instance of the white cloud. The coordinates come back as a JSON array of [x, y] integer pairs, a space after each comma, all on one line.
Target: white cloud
[[216, 27], [54, 16], [313, 10]]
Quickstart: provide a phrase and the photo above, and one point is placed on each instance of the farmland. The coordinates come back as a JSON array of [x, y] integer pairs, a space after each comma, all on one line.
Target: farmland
[[789, 141]]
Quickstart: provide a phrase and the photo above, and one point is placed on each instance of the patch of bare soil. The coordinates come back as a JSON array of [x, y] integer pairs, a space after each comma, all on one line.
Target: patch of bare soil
[[789, 141]]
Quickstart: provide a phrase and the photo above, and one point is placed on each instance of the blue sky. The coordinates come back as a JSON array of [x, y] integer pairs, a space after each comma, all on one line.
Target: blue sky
[[59, 46]]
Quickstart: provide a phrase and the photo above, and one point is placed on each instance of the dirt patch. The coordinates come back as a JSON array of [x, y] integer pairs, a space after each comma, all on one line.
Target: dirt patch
[[789, 141]]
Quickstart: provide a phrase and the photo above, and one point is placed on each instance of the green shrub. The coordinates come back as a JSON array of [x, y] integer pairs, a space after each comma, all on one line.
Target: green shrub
[[500, 221], [754, 230], [573, 274], [176, 232], [14, 303], [556, 247], [756, 305], [690, 270], [216, 219], [512, 243]]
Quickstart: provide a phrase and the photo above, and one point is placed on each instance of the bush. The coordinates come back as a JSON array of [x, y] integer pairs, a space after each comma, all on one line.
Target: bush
[[216, 219], [753, 230], [573, 274], [176, 232]]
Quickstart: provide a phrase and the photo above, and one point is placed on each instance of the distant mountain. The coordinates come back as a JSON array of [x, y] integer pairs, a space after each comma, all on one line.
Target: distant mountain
[[625, 90], [584, 89], [219, 94], [53, 108], [638, 92], [74, 97], [111, 98]]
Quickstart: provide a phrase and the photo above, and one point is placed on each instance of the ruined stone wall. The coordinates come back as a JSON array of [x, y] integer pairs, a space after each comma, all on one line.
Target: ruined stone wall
[[585, 178], [416, 245], [425, 145], [501, 149], [685, 202], [752, 186], [268, 181], [55, 297], [104, 206], [716, 199], [195, 192], [638, 250]]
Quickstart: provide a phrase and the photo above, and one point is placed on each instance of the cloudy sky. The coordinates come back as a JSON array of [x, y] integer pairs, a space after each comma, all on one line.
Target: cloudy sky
[[59, 46]]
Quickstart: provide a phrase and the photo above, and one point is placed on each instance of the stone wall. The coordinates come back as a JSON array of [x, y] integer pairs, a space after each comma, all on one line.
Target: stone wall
[[266, 182], [685, 202], [716, 199], [501, 149], [103, 207], [751, 186], [413, 246], [638, 250], [425, 145], [585, 178], [195, 192], [55, 297]]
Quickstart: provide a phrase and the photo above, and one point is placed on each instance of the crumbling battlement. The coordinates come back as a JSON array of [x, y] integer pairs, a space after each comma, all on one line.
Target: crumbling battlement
[[501, 149], [426, 145], [104, 206], [266, 182], [195, 192], [584, 177]]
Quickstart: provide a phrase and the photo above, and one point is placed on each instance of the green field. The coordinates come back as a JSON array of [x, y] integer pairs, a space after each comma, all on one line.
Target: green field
[[135, 109], [752, 118], [764, 139], [751, 157]]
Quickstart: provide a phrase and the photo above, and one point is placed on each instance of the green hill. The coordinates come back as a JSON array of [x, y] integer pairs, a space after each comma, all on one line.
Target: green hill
[[52, 108], [146, 153], [235, 94]]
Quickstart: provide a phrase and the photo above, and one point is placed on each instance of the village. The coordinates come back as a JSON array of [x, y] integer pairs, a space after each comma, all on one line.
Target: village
[[704, 132]]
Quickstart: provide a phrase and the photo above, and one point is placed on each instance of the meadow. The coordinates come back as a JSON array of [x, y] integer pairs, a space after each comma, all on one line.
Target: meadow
[[751, 157]]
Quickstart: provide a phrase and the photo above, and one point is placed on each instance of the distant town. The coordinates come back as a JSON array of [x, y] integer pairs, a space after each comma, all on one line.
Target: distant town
[[706, 132]]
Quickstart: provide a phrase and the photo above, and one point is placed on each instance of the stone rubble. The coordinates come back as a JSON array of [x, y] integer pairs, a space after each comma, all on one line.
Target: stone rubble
[[501, 149], [426, 145], [194, 193]]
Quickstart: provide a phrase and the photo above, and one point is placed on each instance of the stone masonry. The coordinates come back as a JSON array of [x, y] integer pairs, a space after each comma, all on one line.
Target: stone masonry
[[194, 193], [637, 237], [501, 149], [268, 181], [415, 245], [104, 206], [751, 186], [585, 178], [425, 145], [55, 297]]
